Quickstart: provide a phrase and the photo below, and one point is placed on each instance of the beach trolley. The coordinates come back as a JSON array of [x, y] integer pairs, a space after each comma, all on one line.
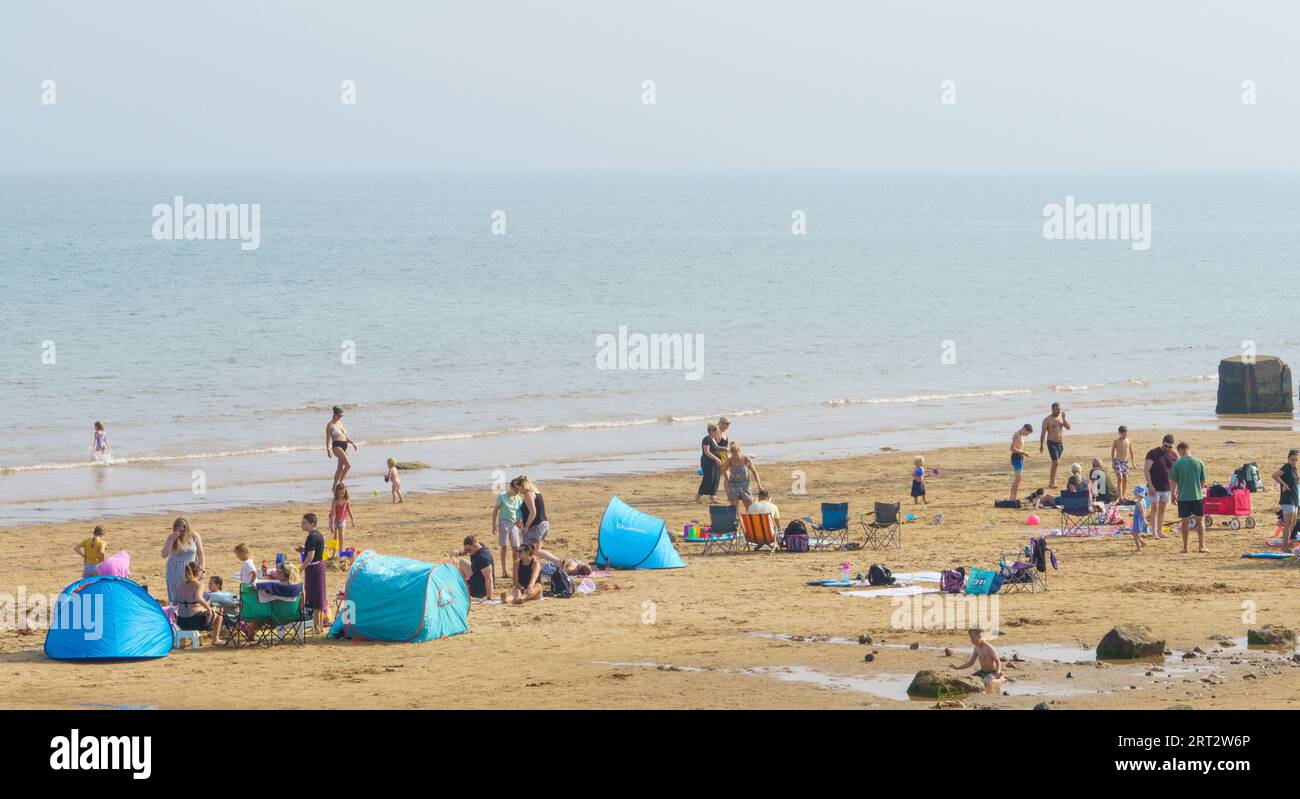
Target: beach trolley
[[1236, 506]]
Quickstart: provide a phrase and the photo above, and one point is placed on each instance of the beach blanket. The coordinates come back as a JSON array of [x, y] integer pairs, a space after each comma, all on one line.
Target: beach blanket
[[1268, 555], [907, 578], [1090, 532], [902, 590]]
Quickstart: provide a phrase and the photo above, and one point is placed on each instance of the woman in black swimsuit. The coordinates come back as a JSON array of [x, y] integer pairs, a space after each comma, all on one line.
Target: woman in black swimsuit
[[336, 445], [526, 573], [193, 611]]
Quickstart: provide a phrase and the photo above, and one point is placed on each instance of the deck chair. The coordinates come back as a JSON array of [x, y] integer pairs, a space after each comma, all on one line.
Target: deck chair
[[833, 532], [259, 623], [1029, 571], [1078, 515], [882, 526], [758, 531]]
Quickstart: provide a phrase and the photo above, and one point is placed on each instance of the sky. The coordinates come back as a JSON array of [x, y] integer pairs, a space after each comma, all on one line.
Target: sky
[[513, 85]]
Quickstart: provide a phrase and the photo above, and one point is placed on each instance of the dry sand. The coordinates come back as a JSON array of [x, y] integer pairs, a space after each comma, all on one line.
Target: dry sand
[[702, 650]]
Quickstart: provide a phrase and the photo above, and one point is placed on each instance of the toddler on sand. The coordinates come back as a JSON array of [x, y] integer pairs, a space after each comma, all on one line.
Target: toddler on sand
[[918, 481]]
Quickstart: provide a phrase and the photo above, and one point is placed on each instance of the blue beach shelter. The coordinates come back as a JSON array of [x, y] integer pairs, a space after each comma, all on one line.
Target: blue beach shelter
[[388, 598], [630, 539], [107, 618]]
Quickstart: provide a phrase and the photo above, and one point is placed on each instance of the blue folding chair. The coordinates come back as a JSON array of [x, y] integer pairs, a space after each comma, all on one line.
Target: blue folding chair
[[833, 532], [725, 531], [1079, 516]]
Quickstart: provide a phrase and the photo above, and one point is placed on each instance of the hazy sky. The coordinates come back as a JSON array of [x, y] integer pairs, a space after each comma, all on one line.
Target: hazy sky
[[256, 85]]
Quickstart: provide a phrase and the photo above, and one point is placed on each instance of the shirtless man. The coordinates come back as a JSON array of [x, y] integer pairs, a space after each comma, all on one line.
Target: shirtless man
[[1018, 456], [990, 670], [1053, 427], [1121, 457]]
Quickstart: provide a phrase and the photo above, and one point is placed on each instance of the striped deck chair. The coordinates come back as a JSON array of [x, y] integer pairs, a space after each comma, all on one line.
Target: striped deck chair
[[758, 531]]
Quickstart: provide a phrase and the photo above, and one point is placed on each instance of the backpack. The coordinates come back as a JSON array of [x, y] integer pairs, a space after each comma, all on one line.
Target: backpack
[[952, 581], [879, 575], [1218, 490], [561, 585], [1248, 477], [796, 537], [1006, 503]]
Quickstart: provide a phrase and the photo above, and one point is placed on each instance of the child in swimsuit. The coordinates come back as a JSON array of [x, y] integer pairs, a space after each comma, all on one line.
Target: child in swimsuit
[[99, 448], [340, 513], [395, 480], [918, 481]]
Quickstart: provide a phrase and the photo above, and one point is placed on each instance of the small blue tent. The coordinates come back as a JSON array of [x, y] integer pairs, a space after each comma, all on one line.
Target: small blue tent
[[107, 618], [630, 539], [388, 598]]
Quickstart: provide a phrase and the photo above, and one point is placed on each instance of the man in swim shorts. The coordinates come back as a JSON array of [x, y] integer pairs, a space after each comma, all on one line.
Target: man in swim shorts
[[1018, 457], [990, 670], [1054, 427], [1121, 455]]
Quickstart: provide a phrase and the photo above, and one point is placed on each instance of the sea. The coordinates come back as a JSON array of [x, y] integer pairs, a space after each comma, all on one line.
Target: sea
[[490, 324]]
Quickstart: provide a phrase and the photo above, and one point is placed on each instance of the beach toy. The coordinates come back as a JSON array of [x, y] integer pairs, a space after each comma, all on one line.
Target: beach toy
[[938, 519], [911, 517], [376, 492], [934, 472], [1032, 521], [699, 472]]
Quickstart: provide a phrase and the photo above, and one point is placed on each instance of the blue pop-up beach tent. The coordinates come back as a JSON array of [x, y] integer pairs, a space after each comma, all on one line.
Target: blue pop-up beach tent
[[630, 539], [388, 598], [100, 618]]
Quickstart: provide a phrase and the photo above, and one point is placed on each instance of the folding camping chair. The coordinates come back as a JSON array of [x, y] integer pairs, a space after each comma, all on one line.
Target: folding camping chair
[[1029, 574], [1078, 515], [259, 623], [882, 526], [758, 531], [725, 535], [833, 532]]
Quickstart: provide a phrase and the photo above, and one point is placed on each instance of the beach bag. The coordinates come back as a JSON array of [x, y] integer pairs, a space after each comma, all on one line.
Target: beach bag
[[983, 581], [1217, 490], [1248, 477], [952, 581], [879, 575], [796, 542], [1007, 503], [561, 586]]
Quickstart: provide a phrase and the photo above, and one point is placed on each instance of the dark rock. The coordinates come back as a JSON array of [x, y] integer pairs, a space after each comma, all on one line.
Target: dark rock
[[947, 652], [931, 685], [862, 639], [1271, 635], [1179, 707], [867, 657], [914, 645], [1260, 387], [411, 466], [1042, 706], [1129, 641]]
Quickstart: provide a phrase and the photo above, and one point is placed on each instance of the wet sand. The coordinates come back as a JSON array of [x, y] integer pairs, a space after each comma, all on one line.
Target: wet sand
[[726, 630]]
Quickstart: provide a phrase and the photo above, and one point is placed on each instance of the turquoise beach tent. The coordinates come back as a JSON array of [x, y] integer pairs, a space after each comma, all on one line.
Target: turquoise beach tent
[[388, 598], [103, 618], [630, 539]]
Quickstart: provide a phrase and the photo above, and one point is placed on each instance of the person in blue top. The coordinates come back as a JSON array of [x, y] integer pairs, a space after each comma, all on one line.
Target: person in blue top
[[918, 481]]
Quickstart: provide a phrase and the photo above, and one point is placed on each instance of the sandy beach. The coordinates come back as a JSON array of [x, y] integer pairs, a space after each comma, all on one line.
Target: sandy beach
[[739, 631]]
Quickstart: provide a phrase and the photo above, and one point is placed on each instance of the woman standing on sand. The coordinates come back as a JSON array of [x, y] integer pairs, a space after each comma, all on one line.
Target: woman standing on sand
[[533, 524], [336, 445], [740, 467], [710, 464], [183, 547]]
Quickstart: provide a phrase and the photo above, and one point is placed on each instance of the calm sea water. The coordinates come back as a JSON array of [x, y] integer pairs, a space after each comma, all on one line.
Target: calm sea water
[[476, 353]]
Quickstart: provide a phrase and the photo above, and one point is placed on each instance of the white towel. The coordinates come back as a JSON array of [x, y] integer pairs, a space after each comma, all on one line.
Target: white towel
[[902, 590]]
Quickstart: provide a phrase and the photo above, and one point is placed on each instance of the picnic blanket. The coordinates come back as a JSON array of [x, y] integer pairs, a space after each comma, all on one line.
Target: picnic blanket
[[1108, 531], [899, 590], [906, 578], [1268, 555]]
